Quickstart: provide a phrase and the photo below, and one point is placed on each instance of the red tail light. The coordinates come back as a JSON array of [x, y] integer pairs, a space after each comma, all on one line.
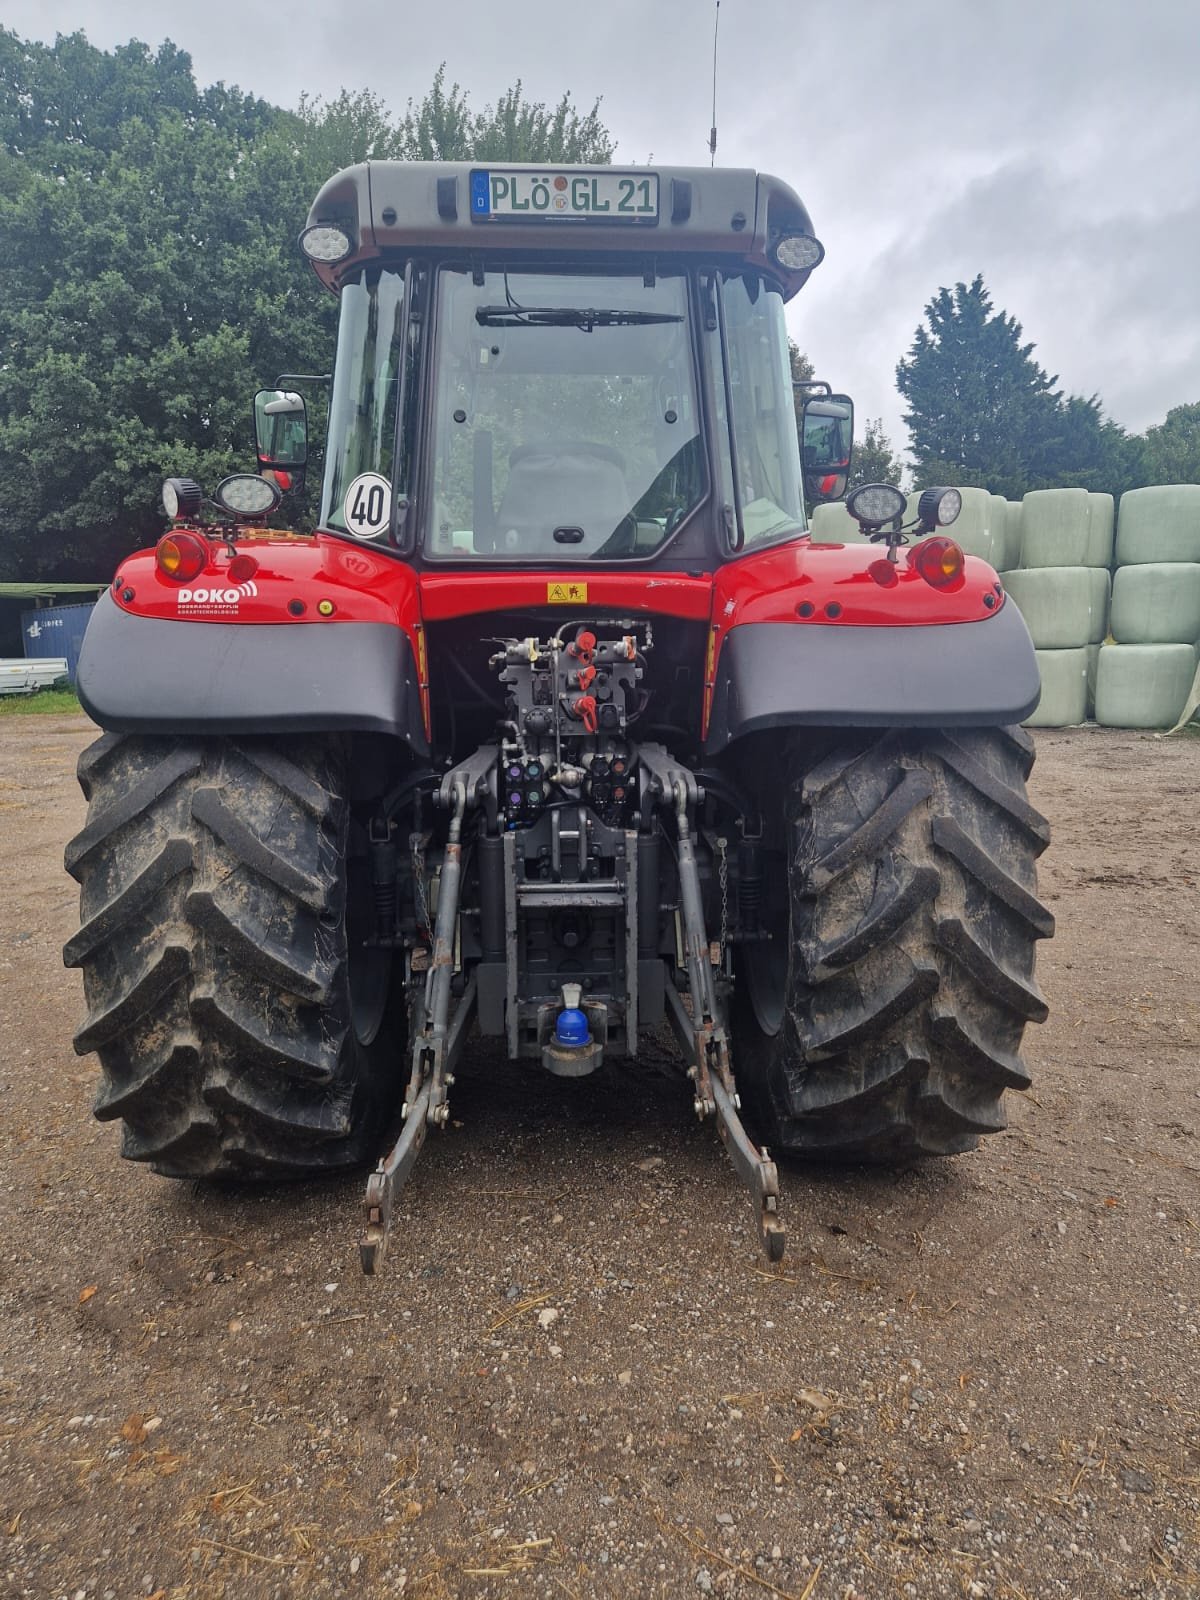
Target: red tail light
[[939, 561], [241, 569], [182, 556]]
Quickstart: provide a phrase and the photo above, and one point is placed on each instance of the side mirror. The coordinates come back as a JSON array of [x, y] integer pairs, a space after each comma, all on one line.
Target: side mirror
[[827, 437], [281, 436]]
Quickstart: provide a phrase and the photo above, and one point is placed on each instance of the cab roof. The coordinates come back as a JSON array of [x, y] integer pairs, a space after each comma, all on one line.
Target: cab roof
[[395, 208]]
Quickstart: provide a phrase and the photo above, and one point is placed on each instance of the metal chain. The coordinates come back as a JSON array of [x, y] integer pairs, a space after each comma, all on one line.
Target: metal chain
[[723, 879]]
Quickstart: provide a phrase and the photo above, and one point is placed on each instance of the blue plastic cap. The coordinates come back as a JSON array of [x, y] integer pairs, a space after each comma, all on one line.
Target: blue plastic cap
[[571, 1028]]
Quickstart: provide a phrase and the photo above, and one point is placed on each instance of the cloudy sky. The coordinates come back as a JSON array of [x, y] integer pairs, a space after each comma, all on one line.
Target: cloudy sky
[[1053, 145]]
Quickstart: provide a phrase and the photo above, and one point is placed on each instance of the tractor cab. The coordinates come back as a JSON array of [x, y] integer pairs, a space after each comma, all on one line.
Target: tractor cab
[[540, 366]]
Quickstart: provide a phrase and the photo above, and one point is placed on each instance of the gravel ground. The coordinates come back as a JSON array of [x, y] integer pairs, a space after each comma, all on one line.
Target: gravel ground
[[578, 1377]]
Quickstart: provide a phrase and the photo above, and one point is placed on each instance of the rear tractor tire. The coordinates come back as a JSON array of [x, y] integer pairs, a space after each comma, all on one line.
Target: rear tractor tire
[[884, 1018], [242, 1029]]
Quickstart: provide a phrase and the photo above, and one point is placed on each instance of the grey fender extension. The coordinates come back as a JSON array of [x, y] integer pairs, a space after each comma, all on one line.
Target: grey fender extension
[[789, 674], [145, 675]]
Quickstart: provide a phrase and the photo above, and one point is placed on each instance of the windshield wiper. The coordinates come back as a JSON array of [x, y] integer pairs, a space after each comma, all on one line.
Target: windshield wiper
[[567, 317]]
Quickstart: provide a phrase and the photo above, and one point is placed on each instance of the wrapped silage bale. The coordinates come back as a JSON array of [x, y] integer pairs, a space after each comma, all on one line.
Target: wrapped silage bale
[[1064, 689], [833, 524], [1093, 663], [1064, 607], [1157, 603], [1143, 685], [1054, 528], [1002, 556], [1102, 519], [1161, 523], [1012, 536]]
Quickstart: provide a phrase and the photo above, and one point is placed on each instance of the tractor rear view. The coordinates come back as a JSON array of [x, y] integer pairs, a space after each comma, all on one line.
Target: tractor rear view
[[560, 727]]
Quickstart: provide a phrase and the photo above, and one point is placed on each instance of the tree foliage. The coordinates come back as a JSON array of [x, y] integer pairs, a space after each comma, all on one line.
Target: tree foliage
[[355, 126], [149, 277], [874, 460], [983, 413], [1172, 449], [979, 406]]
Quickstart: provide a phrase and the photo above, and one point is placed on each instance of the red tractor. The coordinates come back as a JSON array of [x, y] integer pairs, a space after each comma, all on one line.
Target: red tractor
[[560, 726]]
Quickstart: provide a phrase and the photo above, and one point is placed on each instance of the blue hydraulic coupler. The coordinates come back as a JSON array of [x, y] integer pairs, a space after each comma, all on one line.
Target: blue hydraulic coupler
[[572, 1052], [571, 1029]]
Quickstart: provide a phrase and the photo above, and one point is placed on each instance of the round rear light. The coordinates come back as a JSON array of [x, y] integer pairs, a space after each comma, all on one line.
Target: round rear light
[[181, 556], [241, 569], [939, 561]]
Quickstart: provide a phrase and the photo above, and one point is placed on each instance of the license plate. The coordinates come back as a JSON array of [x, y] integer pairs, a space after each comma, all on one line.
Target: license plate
[[508, 196]]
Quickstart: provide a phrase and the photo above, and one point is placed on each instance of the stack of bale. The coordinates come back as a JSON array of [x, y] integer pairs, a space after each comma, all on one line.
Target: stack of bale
[[1062, 589], [1145, 675]]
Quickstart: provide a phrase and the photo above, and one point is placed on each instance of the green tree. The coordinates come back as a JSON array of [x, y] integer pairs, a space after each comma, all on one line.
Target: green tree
[[1093, 452], [874, 460], [149, 277], [355, 126], [979, 407], [442, 127], [983, 413], [1172, 449], [147, 284]]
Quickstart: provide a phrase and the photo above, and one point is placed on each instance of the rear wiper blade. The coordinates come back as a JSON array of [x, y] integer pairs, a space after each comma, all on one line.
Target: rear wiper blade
[[567, 317]]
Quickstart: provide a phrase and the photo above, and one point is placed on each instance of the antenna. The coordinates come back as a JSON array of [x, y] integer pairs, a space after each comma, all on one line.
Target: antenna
[[712, 132]]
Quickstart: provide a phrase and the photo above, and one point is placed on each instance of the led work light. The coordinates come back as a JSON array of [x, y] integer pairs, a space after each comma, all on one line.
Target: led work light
[[873, 504], [796, 252], [325, 241], [938, 508], [181, 497], [245, 494]]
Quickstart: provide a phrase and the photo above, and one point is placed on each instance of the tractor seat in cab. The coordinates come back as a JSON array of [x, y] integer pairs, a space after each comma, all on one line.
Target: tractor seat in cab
[[562, 499]]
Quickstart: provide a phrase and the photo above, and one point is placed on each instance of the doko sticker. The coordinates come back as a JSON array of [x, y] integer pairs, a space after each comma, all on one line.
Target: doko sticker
[[367, 508], [214, 602]]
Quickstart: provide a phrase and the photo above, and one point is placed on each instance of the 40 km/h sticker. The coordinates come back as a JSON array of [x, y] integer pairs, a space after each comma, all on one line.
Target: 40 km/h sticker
[[367, 508]]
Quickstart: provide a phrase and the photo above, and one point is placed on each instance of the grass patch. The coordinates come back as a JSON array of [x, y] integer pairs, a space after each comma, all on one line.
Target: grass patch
[[43, 700]]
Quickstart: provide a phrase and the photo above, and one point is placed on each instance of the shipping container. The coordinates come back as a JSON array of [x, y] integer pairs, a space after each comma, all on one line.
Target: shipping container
[[56, 631]]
